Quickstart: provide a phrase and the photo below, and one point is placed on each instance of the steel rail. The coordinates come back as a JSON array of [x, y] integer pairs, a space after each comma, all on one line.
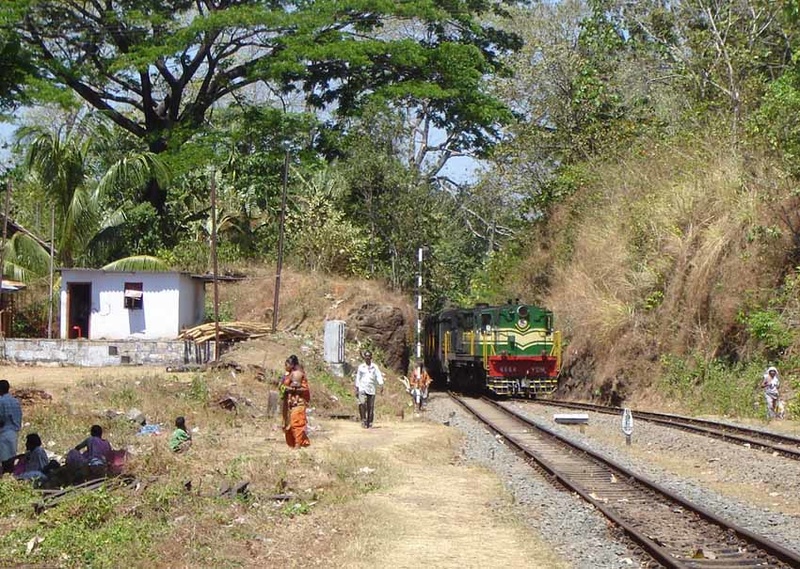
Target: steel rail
[[658, 552], [784, 445]]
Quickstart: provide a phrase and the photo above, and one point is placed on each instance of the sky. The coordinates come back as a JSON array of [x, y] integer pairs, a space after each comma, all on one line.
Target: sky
[[6, 136]]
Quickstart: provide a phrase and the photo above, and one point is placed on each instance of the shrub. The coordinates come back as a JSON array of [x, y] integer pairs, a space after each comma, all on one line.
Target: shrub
[[713, 386]]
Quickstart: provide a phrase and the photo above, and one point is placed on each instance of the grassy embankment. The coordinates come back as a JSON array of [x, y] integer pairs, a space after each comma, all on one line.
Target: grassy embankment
[[162, 520], [164, 524]]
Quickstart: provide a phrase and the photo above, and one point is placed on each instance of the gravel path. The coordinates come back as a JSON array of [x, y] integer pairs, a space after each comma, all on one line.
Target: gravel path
[[771, 478], [574, 529]]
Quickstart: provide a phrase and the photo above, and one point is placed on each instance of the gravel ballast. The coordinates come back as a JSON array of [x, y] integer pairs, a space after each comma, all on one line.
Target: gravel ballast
[[580, 534], [734, 464], [573, 527]]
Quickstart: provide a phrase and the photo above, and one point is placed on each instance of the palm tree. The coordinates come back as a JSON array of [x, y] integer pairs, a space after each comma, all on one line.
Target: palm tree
[[61, 166]]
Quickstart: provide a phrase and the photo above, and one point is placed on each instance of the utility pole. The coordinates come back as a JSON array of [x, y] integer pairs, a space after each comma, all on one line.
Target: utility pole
[[52, 270], [279, 266], [3, 252], [214, 261]]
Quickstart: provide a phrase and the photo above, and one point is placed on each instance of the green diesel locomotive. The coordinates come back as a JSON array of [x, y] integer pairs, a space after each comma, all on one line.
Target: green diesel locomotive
[[510, 350]]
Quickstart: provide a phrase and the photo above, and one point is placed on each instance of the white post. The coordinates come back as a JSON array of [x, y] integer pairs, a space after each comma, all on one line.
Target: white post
[[419, 304]]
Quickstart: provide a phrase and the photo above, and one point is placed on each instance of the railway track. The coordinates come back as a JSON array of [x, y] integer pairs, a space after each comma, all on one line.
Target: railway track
[[673, 531], [783, 445]]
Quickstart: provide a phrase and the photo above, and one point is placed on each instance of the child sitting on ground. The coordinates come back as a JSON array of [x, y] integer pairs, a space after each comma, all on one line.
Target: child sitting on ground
[[34, 463], [180, 440], [97, 454]]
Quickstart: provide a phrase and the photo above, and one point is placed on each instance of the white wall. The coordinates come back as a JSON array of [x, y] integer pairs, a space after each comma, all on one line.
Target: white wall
[[163, 303], [192, 302]]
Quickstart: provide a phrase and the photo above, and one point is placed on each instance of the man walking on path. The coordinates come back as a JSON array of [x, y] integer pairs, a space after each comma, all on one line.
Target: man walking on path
[[368, 379], [10, 424]]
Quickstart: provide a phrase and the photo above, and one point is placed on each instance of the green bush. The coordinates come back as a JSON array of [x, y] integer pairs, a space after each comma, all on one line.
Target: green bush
[[713, 386], [769, 328]]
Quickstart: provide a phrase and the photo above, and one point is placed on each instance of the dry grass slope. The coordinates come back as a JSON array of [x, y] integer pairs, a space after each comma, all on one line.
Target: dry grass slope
[[658, 255]]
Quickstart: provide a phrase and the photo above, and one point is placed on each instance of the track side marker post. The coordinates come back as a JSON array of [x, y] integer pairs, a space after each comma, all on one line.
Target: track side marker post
[[627, 425]]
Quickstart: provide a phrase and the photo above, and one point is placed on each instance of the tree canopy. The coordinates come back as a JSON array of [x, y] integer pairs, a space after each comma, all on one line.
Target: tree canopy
[[158, 68]]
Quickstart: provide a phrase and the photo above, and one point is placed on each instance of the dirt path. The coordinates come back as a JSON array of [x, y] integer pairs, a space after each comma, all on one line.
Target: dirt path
[[55, 379], [435, 512]]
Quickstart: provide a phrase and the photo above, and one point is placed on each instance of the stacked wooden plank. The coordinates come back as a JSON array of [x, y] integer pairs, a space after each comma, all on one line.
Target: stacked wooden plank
[[228, 331]]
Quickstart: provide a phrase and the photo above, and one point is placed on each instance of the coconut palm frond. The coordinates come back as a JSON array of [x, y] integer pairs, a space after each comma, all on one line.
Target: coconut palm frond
[[60, 164], [137, 263], [27, 256], [79, 224], [134, 171], [19, 273], [113, 219]]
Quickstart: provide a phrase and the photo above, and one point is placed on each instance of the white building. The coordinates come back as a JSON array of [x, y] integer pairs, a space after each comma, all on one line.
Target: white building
[[118, 305]]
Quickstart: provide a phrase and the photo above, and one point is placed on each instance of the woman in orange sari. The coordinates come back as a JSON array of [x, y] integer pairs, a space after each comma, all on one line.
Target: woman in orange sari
[[296, 396]]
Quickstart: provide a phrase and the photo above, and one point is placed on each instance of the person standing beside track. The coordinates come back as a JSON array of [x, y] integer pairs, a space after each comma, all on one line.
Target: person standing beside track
[[296, 397], [771, 384], [10, 424], [368, 379], [420, 382]]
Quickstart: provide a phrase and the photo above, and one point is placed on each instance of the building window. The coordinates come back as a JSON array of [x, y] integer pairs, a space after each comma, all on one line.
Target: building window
[[133, 296]]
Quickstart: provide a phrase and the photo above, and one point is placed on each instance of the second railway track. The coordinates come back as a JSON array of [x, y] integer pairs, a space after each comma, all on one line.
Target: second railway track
[[673, 531], [783, 445]]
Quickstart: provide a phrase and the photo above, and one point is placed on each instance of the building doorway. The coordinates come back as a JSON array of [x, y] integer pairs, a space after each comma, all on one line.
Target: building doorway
[[79, 307]]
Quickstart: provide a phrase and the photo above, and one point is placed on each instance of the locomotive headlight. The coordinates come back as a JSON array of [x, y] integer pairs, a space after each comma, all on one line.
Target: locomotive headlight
[[522, 323]]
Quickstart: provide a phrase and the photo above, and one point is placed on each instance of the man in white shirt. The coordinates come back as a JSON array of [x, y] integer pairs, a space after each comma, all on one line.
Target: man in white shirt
[[368, 379]]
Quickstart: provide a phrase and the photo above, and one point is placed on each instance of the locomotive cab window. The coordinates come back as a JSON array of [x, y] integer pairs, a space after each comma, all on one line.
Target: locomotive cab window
[[486, 322], [134, 296]]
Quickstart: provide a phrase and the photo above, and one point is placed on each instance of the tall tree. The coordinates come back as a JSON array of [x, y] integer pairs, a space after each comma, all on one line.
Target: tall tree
[[158, 67]]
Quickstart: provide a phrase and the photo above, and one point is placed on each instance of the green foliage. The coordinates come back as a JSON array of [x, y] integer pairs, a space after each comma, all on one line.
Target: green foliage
[[490, 283], [713, 386], [87, 530], [15, 71], [16, 496], [769, 327], [319, 235], [30, 320], [793, 404], [224, 309], [770, 322], [63, 173], [333, 60], [292, 509], [776, 118], [126, 397], [340, 388], [654, 300], [198, 390]]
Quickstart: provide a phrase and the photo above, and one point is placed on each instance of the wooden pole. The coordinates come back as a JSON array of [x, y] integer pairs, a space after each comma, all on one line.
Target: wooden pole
[[214, 262], [52, 270], [3, 253], [279, 267]]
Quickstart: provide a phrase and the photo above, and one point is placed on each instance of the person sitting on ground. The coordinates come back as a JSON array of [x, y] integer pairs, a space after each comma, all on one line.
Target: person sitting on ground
[[180, 440], [98, 451], [34, 464]]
